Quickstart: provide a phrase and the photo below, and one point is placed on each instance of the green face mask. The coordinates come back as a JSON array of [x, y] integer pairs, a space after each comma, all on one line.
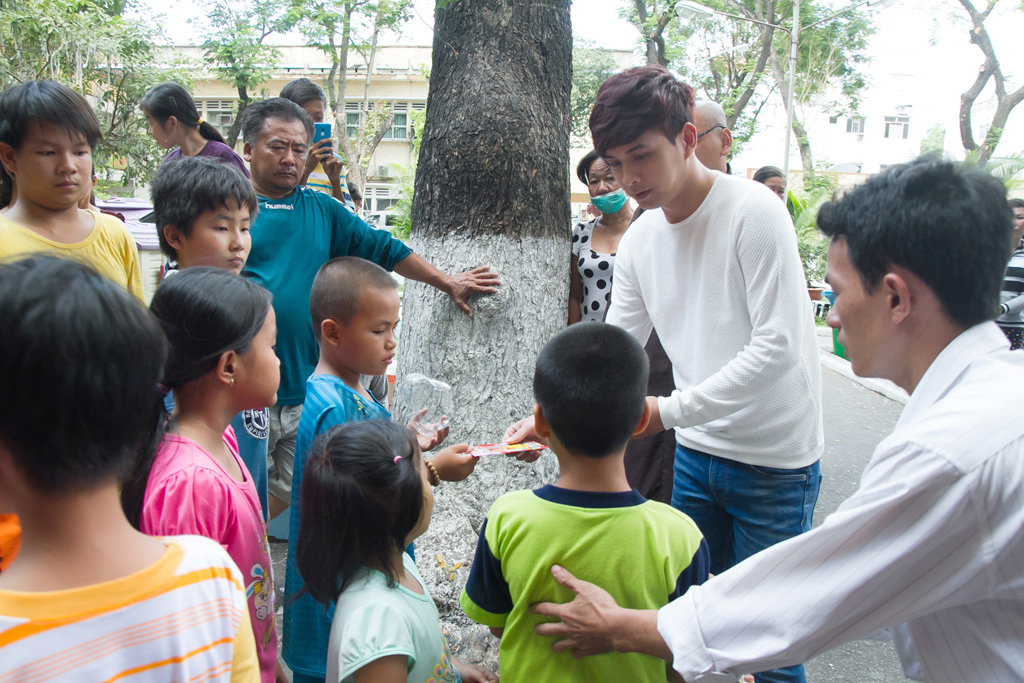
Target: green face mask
[[609, 203]]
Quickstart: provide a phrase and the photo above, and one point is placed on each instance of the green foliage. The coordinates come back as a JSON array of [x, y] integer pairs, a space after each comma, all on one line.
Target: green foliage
[[1006, 169], [407, 179], [235, 43], [813, 246], [590, 68], [934, 141], [728, 60], [109, 59]]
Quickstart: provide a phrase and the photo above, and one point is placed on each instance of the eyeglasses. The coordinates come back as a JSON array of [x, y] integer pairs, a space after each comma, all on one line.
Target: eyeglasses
[[716, 127]]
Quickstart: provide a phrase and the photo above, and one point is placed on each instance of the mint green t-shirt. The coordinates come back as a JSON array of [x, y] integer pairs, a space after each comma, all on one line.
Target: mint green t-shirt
[[373, 620]]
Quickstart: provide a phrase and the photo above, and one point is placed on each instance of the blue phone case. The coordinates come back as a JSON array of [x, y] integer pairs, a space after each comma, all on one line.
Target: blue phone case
[[321, 131]]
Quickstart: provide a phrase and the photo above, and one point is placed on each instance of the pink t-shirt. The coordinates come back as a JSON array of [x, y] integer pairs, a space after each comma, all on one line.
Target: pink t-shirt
[[188, 492]]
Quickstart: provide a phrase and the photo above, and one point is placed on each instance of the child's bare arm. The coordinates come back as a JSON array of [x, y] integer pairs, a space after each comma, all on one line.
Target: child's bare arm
[[454, 463], [392, 669], [474, 673], [497, 631]]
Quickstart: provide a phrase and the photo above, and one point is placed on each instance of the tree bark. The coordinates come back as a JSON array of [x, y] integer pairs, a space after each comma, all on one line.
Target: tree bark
[[990, 69], [799, 132], [491, 189], [236, 125]]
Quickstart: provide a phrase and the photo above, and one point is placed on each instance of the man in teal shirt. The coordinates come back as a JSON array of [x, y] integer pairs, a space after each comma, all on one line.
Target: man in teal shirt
[[297, 231]]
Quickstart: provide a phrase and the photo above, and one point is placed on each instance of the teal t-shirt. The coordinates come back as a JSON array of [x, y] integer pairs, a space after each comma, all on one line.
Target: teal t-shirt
[[291, 238], [374, 620], [307, 624], [643, 552]]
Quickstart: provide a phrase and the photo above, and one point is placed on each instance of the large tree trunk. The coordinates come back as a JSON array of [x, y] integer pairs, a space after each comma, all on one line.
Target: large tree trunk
[[491, 189]]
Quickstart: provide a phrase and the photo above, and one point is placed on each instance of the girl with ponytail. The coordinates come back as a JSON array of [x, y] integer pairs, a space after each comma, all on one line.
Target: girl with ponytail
[[220, 331], [175, 124]]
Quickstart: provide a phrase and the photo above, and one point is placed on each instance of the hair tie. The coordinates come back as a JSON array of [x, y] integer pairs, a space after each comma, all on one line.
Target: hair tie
[[162, 389], [397, 458], [200, 121]]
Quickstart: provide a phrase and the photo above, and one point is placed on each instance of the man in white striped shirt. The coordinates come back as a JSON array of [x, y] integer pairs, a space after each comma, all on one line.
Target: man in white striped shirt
[[930, 547]]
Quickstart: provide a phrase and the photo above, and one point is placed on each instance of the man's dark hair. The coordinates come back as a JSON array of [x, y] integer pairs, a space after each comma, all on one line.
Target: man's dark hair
[[42, 102], [354, 192], [591, 383], [302, 90], [185, 188], [80, 358], [338, 286], [1017, 203], [949, 226], [632, 102], [257, 113]]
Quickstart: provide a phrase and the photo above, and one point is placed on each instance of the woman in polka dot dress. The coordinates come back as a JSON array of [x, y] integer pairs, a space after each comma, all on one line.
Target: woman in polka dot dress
[[594, 244]]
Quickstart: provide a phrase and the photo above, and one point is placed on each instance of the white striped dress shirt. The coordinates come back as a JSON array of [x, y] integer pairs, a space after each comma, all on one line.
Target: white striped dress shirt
[[931, 546]]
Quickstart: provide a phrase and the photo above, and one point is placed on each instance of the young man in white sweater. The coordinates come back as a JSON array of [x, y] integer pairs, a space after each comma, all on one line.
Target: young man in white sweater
[[713, 266]]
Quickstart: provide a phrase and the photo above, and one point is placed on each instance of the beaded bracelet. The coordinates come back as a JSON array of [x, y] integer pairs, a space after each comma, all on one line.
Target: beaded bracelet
[[435, 478]]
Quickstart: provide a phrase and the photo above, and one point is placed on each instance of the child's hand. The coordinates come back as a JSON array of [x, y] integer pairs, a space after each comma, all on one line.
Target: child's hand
[[471, 673], [427, 443], [454, 463]]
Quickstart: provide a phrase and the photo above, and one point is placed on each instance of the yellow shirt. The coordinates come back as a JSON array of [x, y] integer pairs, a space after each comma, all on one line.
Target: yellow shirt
[[183, 618], [109, 248]]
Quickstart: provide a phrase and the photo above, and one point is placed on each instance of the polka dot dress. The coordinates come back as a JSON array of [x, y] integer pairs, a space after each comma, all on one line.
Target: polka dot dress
[[595, 272]]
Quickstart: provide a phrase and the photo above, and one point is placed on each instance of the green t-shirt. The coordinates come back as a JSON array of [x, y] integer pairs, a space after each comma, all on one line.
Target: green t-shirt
[[291, 238], [373, 621], [642, 552]]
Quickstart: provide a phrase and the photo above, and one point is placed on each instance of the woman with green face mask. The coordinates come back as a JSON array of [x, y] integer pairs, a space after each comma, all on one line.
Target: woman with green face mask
[[594, 243]]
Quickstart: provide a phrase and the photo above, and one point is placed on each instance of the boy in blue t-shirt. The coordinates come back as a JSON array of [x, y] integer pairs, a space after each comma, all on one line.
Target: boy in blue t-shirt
[[203, 210], [355, 307], [590, 385]]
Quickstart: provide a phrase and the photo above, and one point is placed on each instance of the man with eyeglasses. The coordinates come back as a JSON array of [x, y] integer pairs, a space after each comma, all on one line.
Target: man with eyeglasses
[[714, 139]]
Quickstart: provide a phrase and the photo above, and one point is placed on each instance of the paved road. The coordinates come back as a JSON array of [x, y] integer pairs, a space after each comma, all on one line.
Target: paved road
[[856, 419]]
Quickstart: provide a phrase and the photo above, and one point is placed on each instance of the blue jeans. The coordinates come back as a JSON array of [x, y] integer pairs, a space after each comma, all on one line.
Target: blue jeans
[[743, 509]]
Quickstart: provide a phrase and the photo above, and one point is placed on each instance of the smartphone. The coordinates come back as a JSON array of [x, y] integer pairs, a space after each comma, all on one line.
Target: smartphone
[[321, 131]]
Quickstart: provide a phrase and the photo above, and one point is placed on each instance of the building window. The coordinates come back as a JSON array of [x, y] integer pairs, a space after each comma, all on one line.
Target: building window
[[897, 127], [855, 124], [219, 113], [353, 118], [399, 128], [833, 119]]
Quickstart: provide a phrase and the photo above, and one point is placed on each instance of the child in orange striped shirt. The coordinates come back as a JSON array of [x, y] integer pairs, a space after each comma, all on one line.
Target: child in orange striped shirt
[[89, 597]]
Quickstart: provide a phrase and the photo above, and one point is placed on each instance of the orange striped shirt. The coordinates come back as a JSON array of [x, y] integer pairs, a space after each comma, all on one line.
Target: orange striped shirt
[[182, 619]]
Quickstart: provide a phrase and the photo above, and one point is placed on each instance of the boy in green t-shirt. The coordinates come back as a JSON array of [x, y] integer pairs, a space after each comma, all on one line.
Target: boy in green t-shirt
[[590, 384]]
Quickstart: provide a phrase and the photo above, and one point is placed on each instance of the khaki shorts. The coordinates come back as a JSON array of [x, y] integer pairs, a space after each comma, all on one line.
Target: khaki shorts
[[284, 427]]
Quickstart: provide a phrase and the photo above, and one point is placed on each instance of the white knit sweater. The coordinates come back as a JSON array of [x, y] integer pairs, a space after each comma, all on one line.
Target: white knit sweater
[[725, 290]]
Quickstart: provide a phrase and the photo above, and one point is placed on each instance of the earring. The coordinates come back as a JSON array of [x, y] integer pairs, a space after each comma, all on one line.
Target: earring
[[232, 382]]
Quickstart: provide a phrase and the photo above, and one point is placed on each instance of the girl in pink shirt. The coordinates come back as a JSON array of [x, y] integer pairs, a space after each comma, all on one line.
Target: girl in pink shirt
[[221, 332]]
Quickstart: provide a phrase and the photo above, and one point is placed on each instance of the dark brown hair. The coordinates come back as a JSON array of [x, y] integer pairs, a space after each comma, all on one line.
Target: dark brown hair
[[632, 102]]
